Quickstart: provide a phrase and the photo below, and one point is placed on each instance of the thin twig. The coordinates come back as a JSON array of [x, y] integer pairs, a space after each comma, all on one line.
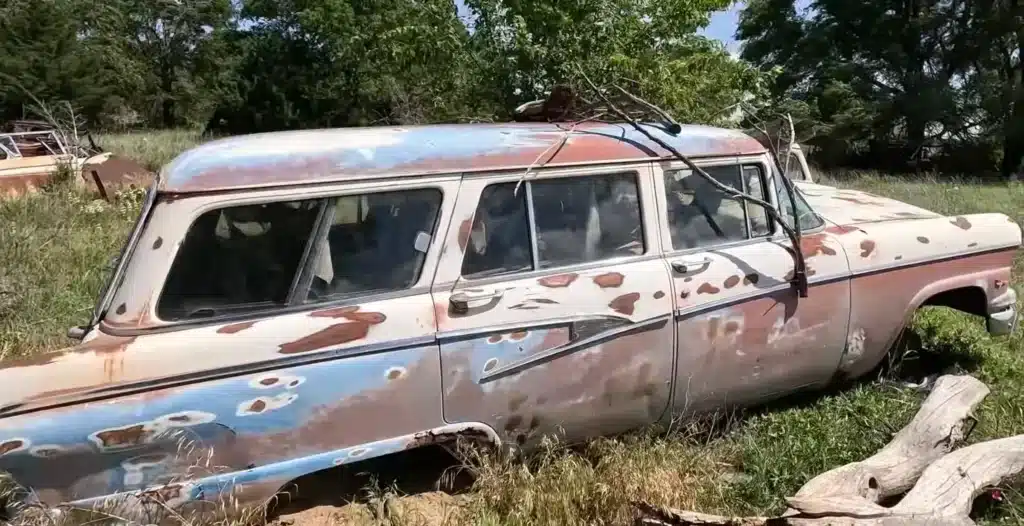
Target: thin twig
[[799, 277]]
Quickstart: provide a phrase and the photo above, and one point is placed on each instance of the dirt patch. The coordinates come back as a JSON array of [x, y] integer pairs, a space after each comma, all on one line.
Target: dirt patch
[[425, 509]]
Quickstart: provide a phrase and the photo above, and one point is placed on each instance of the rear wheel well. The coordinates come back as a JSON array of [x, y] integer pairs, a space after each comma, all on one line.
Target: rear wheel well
[[971, 300], [418, 470]]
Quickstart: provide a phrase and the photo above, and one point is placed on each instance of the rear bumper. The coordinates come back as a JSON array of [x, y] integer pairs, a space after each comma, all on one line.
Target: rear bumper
[[1002, 313]]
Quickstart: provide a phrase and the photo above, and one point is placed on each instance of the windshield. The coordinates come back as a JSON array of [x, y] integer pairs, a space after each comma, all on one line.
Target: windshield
[[116, 266], [809, 219]]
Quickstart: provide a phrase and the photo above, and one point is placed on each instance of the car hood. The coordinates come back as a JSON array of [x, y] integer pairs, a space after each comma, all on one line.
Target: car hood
[[852, 207]]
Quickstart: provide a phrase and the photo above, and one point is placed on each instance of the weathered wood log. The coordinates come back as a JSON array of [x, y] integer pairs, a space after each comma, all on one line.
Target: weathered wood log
[[938, 427], [942, 485]]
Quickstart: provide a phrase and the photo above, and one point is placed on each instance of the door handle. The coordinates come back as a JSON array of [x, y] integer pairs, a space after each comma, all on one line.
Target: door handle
[[690, 264], [461, 300]]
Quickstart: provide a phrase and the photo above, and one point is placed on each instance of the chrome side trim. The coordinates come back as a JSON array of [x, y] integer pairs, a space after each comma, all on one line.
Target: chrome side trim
[[556, 352]]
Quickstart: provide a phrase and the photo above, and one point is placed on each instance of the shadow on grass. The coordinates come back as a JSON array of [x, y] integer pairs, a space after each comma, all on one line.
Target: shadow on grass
[[413, 472]]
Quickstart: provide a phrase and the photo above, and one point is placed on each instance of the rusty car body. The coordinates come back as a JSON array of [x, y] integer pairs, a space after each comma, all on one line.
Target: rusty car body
[[295, 301]]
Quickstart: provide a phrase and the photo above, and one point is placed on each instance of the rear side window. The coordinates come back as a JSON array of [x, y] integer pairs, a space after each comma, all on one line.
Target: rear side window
[[238, 260], [376, 242], [253, 258], [569, 221]]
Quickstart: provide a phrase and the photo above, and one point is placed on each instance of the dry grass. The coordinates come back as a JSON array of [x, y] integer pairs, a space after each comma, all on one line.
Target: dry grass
[[54, 246]]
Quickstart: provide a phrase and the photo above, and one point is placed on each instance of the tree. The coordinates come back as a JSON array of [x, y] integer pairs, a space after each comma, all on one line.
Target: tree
[[649, 45], [41, 56]]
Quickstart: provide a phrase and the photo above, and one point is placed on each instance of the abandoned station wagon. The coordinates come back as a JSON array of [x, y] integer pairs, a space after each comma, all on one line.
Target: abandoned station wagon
[[295, 301]]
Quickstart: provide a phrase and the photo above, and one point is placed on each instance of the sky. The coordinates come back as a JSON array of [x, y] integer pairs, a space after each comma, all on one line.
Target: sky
[[723, 27]]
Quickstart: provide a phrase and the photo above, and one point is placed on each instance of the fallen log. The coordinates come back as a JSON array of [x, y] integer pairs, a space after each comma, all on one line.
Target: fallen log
[[942, 484], [942, 423]]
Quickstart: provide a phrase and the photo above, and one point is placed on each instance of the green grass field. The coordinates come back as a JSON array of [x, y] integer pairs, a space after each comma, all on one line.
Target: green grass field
[[54, 247]]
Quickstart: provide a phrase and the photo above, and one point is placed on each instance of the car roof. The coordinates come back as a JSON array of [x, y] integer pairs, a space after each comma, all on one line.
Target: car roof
[[331, 155]]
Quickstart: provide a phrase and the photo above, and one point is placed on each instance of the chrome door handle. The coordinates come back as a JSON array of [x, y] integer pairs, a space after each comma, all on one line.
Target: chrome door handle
[[461, 299], [690, 264]]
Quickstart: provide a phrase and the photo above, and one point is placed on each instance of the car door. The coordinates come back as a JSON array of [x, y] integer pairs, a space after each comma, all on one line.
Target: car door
[[743, 333], [553, 304]]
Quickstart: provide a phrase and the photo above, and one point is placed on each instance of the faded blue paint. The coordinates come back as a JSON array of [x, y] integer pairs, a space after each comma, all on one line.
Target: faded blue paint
[[280, 158], [78, 468]]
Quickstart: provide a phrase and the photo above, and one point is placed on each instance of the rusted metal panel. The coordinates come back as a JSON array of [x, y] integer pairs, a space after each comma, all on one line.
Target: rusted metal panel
[[285, 158], [325, 413]]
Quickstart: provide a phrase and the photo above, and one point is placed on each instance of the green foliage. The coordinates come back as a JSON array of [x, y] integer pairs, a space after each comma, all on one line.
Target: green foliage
[[649, 47], [885, 80]]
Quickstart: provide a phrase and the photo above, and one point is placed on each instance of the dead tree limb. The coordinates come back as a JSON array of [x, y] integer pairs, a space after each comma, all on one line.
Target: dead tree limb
[[942, 485], [939, 426]]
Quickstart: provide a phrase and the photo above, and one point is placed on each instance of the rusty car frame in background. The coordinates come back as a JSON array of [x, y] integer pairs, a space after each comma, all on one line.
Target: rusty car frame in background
[[297, 301]]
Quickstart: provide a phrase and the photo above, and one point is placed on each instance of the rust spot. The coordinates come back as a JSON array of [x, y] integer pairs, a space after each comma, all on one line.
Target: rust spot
[[684, 294], [121, 309], [687, 279], [257, 407], [10, 445], [731, 281], [517, 401], [128, 436], [495, 338], [609, 280], [922, 239], [465, 228], [713, 328], [293, 383], [972, 245], [841, 230], [181, 419], [490, 365], [518, 335], [962, 222], [333, 335], [427, 438], [164, 493], [269, 381], [658, 295], [897, 258], [999, 283], [557, 282], [158, 243], [514, 422], [866, 248], [814, 245], [708, 288], [855, 200], [732, 327], [394, 374], [751, 279], [235, 327], [625, 303], [351, 313]]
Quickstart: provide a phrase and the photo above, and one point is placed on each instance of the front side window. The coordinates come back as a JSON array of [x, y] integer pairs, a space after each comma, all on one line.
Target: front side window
[[701, 215], [376, 242], [238, 260], [574, 220]]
